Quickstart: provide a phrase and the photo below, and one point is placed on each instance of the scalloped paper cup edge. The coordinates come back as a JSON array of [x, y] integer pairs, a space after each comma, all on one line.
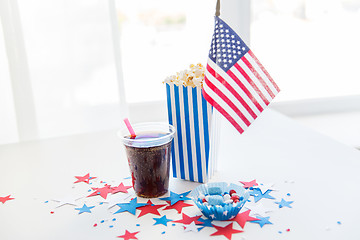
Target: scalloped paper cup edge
[[219, 212]]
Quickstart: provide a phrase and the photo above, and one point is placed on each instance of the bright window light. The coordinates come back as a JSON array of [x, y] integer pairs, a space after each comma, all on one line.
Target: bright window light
[[311, 48]]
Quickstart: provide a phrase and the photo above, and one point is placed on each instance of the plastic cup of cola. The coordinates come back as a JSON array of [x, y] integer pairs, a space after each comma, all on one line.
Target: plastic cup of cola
[[148, 156]]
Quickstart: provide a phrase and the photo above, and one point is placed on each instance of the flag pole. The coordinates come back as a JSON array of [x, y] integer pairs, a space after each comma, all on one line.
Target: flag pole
[[217, 13], [215, 127]]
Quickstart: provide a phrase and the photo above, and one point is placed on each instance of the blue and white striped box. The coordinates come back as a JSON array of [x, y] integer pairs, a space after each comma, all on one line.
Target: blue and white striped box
[[195, 143]]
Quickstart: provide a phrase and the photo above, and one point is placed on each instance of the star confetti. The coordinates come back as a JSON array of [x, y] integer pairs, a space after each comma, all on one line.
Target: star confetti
[[119, 198], [258, 209], [103, 192], [163, 220], [128, 235], [258, 195], [66, 201], [120, 188], [150, 208], [205, 222], [174, 197], [244, 217], [178, 206], [130, 207], [266, 186], [227, 231], [85, 179], [4, 199], [84, 208], [192, 227], [262, 221], [284, 203], [249, 184], [187, 220]]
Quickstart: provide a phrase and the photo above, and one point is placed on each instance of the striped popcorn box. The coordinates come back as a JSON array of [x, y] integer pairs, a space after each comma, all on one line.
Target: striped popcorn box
[[194, 147]]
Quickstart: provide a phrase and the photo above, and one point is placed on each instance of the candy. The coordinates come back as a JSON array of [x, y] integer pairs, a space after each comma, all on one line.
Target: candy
[[215, 191], [235, 198], [226, 197], [216, 200], [232, 191]]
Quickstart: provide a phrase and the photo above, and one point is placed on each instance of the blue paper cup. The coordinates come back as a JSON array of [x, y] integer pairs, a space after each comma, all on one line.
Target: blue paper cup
[[220, 212]]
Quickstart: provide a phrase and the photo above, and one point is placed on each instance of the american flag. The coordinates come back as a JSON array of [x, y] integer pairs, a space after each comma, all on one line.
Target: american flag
[[236, 84]]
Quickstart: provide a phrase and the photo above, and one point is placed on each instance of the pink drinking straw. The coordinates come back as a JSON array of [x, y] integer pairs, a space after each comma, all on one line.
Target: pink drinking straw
[[129, 127]]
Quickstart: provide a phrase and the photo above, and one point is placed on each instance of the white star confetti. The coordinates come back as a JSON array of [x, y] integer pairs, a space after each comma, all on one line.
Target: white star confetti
[[192, 227]]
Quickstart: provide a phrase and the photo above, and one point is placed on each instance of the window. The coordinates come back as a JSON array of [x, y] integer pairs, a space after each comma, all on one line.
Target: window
[[159, 38], [70, 53], [7, 115], [309, 47]]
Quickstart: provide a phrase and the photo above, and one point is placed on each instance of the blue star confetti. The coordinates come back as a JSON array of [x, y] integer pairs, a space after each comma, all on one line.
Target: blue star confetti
[[284, 203], [262, 221], [163, 220], [174, 197], [84, 208], [130, 207], [205, 222], [258, 195]]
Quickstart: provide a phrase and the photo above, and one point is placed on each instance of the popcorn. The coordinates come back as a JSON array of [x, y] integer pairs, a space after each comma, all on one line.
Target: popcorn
[[188, 78], [169, 79]]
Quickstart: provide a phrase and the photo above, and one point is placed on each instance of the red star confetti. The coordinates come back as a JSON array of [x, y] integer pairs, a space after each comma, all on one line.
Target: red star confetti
[[128, 235], [178, 206], [249, 184], [84, 179], [4, 199], [227, 231], [187, 220], [103, 192], [244, 217], [120, 188], [150, 208]]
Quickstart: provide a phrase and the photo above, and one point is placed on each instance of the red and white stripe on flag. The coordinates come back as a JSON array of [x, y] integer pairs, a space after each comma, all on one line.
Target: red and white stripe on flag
[[236, 83]]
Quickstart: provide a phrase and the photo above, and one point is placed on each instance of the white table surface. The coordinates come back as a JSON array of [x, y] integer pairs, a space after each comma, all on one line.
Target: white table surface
[[321, 175]]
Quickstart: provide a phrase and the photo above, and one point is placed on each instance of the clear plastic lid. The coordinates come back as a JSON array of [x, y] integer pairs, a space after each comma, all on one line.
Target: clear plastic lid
[[164, 131]]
